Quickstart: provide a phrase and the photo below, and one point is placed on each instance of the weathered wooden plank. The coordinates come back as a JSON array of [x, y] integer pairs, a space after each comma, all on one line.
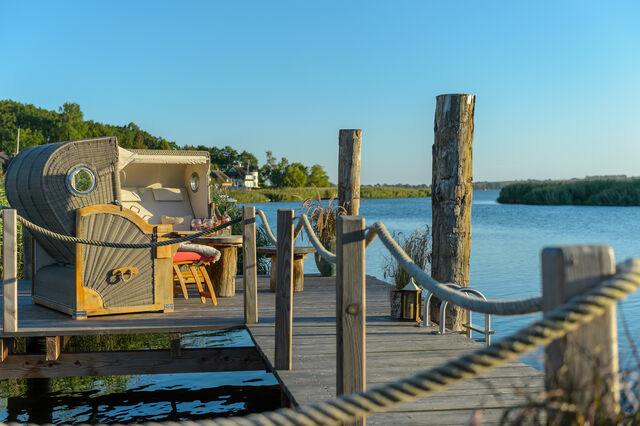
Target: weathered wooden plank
[[350, 305], [349, 147], [284, 291], [54, 347], [132, 362], [584, 364], [5, 345], [250, 267], [10, 271]]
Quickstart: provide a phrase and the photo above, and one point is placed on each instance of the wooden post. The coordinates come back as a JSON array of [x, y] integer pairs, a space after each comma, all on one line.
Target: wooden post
[[350, 306], [175, 345], [284, 290], [53, 348], [350, 144], [452, 191], [249, 262], [584, 364], [10, 272]]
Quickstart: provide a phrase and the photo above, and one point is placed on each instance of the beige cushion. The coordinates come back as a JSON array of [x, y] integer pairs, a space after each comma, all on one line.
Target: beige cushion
[[167, 194], [129, 195], [171, 220]]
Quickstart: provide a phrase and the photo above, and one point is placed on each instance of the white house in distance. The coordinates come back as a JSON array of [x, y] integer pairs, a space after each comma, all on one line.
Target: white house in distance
[[243, 177]]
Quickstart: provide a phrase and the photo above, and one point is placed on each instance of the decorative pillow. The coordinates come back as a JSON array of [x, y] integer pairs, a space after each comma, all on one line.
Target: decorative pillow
[[206, 251]]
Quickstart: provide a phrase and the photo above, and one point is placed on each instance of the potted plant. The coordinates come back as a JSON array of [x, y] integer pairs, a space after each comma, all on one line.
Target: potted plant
[[418, 248], [324, 219]]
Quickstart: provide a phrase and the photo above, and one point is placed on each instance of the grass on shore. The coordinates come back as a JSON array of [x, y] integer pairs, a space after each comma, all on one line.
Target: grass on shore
[[263, 195], [584, 192]]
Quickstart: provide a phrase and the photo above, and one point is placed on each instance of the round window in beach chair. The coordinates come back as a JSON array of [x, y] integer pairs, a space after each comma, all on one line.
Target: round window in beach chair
[[81, 180]]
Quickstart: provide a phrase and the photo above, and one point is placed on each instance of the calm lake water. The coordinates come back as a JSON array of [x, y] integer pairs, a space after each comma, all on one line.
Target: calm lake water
[[505, 263], [505, 249]]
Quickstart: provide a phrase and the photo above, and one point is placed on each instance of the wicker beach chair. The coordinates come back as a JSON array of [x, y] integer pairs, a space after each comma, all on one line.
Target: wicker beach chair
[[93, 189]]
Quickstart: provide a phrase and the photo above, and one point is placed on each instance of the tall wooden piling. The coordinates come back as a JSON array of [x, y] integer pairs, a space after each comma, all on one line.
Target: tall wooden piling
[[284, 290], [583, 364], [250, 266], [452, 192], [350, 146], [350, 306]]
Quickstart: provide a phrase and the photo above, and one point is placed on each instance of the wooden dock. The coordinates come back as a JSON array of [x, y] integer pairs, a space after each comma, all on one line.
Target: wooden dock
[[394, 350]]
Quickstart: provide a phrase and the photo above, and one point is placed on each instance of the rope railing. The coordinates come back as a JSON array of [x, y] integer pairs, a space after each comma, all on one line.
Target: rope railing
[[75, 240], [315, 242], [555, 324], [493, 307], [267, 228]]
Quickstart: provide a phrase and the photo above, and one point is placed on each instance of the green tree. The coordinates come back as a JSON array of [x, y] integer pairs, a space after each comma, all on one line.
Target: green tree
[[274, 171], [318, 177], [138, 142], [70, 124], [295, 175]]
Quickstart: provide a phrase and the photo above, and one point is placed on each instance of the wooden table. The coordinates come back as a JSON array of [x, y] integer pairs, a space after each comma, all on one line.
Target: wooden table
[[299, 253], [222, 272]]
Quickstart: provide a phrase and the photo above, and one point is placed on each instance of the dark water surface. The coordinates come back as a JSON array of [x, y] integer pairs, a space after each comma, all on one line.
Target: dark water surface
[[159, 397]]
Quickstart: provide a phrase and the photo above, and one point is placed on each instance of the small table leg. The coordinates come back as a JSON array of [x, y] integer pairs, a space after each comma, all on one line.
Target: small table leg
[[223, 272], [298, 273]]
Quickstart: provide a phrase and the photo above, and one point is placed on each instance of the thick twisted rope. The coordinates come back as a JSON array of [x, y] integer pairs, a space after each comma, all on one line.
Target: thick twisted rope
[[315, 242], [267, 228], [75, 240], [493, 307], [555, 324]]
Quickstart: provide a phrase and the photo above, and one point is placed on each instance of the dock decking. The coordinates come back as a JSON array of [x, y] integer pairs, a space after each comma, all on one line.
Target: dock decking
[[394, 349]]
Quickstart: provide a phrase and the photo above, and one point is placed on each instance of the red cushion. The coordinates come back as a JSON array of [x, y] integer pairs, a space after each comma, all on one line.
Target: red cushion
[[190, 256]]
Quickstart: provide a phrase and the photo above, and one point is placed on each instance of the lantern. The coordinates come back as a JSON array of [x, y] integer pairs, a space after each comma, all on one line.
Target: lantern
[[410, 300]]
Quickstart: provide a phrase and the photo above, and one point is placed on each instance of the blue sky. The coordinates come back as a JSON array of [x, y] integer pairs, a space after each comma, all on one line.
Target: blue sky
[[557, 84]]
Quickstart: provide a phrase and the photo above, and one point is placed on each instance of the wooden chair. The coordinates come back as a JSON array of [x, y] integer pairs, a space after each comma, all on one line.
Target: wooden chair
[[196, 273]]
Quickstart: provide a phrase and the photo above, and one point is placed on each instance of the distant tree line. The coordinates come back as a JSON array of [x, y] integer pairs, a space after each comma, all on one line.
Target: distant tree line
[[40, 126], [588, 192]]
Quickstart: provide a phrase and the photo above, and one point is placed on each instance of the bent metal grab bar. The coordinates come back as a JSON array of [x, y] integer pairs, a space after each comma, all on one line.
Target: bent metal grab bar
[[487, 332]]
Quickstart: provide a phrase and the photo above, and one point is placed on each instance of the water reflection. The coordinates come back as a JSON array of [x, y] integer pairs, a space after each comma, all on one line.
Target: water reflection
[[128, 399]]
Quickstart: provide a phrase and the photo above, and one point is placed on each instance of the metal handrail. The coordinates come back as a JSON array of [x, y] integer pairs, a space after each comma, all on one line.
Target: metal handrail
[[487, 332], [425, 320]]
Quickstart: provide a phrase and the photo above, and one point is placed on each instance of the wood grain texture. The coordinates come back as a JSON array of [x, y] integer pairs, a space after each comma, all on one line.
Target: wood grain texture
[[54, 347], [249, 262], [284, 290], [5, 345], [452, 193], [223, 272], [131, 362], [10, 271], [349, 148], [350, 306], [579, 361], [393, 350]]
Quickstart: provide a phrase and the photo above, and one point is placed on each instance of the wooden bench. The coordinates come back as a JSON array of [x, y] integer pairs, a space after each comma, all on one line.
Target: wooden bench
[[299, 253]]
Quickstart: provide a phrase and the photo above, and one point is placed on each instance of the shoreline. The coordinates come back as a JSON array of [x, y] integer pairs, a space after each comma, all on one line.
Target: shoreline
[[265, 195]]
